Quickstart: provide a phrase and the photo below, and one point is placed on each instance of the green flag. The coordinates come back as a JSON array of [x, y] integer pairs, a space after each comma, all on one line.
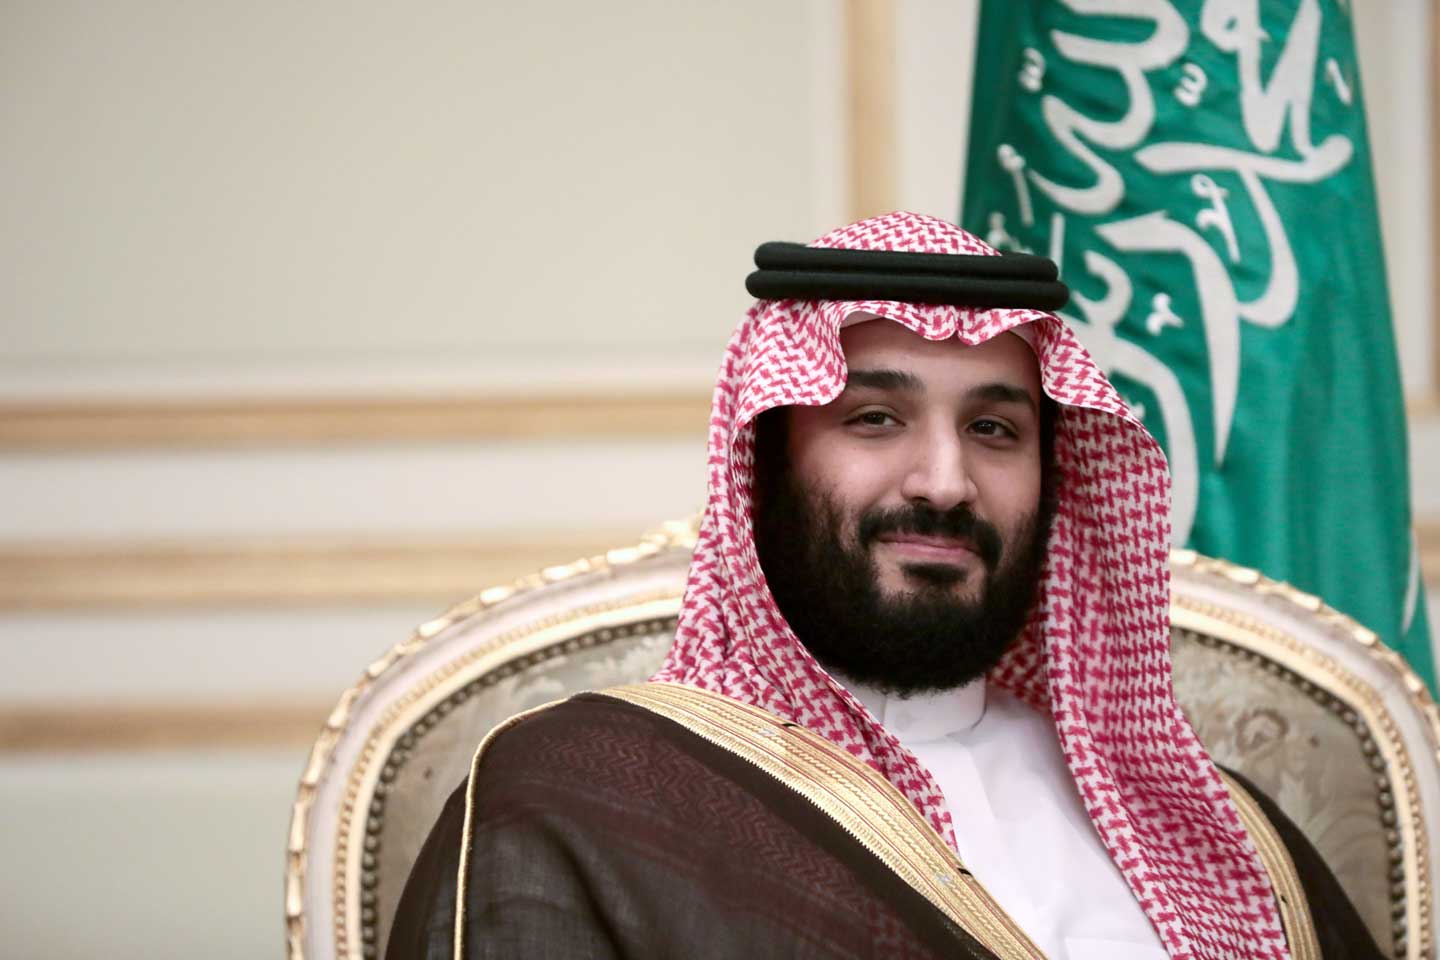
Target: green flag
[[1201, 173]]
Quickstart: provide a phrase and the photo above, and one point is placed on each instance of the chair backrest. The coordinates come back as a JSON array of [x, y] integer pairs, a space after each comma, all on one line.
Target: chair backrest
[[1295, 696], [1326, 720]]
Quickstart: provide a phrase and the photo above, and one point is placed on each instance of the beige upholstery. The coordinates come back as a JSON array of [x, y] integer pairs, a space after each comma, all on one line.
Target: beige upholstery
[[1294, 696], [1329, 723]]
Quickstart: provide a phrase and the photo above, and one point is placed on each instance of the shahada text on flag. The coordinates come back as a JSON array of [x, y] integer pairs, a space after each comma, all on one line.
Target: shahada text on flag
[[1201, 173]]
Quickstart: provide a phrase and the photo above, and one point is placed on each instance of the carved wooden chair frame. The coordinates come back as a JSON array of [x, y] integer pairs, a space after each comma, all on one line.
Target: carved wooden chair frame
[[622, 606]]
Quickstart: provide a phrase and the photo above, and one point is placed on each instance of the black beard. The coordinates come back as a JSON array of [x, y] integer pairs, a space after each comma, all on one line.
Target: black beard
[[926, 640]]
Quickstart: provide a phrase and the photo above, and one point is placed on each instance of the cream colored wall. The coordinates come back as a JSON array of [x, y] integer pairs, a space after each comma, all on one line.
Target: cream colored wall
[[262, 203], [1396, 72], [232, 185], [268, 204]]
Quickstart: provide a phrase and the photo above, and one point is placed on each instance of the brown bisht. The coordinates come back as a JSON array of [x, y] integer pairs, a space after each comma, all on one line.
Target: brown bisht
[[663, 821]]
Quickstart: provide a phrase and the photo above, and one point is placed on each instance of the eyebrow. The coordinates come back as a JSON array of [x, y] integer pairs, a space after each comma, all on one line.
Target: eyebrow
[[885, 380], [996, 391], [999, 392]]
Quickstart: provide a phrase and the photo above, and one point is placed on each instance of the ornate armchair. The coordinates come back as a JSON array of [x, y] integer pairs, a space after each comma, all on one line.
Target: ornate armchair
[[1299, 698]]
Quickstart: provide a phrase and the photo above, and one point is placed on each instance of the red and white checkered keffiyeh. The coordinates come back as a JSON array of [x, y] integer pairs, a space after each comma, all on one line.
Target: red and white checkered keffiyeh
[[1095, 654]]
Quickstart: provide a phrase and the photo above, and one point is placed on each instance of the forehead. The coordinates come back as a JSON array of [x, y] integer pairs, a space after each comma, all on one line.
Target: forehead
[[885, 345]]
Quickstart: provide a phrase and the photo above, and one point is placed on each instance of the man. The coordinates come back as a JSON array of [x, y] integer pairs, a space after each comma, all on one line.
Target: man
[[918, 481]]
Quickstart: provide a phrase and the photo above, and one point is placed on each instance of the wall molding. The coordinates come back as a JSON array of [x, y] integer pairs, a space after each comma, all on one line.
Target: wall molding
[[1427, 536], [871, 81], [1435, 197], [53, 426], [265, 421], [275, 573], [52, 728], [334, 572], [1423, 406], [148, 576]]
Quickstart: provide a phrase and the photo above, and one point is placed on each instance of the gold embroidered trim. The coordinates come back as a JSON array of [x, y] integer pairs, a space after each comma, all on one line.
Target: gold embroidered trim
[[1284, 878], [880, 818], [851, 793]]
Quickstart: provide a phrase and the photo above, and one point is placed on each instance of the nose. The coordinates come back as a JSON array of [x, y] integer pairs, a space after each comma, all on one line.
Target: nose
[[938, 474]]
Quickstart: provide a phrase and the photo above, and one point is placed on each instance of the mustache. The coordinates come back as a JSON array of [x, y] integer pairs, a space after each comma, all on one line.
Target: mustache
[[957, 523]]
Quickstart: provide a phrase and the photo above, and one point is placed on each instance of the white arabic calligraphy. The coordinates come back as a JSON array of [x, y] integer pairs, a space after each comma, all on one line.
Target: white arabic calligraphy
[[1032, 74], [1275, 113], [1162, 315], [1337, 80], [1076, 131], [1234, 27], [1192, 85], [1000, 238], [1014, 164], [1217, 215], [1277, 304]]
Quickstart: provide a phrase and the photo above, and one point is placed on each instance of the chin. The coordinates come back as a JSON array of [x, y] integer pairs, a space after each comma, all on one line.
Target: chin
[[914, 580]]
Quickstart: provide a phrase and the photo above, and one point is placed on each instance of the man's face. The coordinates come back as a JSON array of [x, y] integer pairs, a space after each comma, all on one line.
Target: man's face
[[932, 423], [902, 539]]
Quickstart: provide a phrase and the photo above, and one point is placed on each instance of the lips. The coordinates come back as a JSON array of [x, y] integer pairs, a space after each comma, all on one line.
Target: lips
[[933, 549], [921, 534]]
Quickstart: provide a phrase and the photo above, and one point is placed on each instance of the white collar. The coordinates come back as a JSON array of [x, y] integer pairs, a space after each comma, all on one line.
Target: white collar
[[923, 716]]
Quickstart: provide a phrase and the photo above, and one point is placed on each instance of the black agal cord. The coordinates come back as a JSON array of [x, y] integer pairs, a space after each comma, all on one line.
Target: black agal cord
[[792, 271]]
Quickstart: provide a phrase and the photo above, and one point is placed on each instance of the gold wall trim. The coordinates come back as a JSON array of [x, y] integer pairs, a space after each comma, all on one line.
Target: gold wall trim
[[300, 573], [169, 725], [1427, 535], [253, 421], [1422, 406], [319, 572], [158, 726], [870, 78], [1434, 10]]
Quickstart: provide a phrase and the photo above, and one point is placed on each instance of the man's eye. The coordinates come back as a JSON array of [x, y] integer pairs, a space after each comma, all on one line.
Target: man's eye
[[991, 428], [874, 418]]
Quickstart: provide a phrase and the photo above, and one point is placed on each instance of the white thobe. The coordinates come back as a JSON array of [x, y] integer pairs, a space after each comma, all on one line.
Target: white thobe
[[1019, 821]]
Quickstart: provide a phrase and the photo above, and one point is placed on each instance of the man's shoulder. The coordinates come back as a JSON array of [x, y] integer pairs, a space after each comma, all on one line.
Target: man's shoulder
[[580, 716], [569, 730], [661, 722], [589, 749], [566, 806]]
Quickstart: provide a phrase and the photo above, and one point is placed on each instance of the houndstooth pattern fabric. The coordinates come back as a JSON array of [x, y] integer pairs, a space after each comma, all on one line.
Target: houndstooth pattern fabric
[[1095, 654]]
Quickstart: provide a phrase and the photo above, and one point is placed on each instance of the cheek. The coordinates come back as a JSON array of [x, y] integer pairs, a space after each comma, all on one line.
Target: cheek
[[850, 479], [1012, 495]]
